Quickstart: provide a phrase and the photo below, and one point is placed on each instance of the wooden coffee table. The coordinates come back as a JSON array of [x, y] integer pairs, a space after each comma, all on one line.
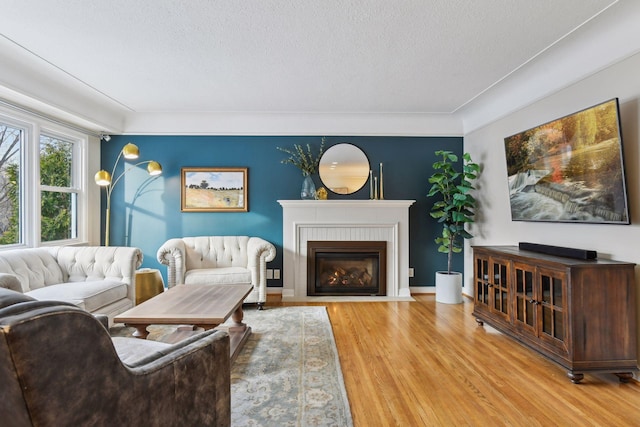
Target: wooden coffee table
[[203, 306]]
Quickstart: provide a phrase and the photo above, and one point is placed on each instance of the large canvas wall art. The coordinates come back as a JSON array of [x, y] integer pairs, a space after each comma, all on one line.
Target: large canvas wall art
[[570, 169]]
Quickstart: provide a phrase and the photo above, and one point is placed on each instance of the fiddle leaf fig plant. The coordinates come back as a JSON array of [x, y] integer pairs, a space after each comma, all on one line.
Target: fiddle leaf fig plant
[[455, 206]]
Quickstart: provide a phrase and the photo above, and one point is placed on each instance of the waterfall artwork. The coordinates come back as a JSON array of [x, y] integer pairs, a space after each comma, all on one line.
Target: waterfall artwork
[[570, 169]]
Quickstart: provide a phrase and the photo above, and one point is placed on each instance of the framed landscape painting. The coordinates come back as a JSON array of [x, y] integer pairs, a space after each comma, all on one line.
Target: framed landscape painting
[[214, 190], [570, 169]]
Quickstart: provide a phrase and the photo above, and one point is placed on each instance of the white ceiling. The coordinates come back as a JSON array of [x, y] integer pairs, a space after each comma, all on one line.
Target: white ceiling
[[198, 57]]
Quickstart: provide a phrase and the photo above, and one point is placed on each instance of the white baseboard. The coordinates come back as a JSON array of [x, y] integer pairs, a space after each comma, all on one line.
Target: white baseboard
[[415, 290], [422, 289]]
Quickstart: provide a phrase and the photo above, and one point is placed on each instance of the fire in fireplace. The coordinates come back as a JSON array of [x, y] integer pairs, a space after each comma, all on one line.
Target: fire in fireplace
[[346, 268]]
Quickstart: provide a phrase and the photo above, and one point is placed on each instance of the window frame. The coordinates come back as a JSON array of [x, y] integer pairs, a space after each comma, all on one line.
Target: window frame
[[74, 188], [30, 186]]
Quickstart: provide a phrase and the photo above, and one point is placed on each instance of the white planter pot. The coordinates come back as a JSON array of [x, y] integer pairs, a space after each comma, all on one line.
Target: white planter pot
[[448, 287]]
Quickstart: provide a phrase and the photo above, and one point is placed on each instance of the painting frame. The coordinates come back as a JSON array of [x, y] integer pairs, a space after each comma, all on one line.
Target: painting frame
[[570, 170], [214, 189]]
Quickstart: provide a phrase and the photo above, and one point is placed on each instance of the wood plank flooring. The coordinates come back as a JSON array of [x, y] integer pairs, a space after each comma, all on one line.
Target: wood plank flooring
[[426, 364]]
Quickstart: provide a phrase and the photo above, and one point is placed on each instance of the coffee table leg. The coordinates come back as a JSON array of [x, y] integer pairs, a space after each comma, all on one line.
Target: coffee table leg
[[237, 339], [237, 317], [238, 332], [141, 331]]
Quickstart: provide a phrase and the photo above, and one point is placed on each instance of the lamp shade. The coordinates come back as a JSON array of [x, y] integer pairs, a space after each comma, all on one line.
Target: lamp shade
[[102, 178], [130, 151], [154, 168]]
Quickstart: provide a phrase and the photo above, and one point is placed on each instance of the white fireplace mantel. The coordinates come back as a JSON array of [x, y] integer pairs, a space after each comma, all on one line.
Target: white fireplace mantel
[[352, 220]]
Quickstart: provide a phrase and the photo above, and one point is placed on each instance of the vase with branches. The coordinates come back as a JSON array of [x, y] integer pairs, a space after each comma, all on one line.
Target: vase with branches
[[307, 162]]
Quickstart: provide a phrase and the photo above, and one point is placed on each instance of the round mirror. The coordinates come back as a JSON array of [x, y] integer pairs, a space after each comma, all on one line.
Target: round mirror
[[344, 168]]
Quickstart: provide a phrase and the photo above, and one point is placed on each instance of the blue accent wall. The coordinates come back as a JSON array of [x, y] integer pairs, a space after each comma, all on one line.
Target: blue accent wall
[[145, 211]]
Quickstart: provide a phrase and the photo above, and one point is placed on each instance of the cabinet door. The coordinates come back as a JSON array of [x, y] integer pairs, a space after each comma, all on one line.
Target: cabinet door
[[552, 307], [492, 277], [499, 287], [524, 297], [482, 281]]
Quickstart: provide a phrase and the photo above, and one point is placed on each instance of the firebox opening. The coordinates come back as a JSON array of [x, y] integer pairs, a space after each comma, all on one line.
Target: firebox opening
[[346, 268]]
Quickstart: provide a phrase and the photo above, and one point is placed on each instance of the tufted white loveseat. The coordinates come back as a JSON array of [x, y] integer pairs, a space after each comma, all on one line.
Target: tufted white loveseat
[[219, 260], [97, 279]]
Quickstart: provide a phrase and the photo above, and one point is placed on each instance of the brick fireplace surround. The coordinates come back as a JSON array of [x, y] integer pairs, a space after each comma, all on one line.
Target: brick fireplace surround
[[348, 220]]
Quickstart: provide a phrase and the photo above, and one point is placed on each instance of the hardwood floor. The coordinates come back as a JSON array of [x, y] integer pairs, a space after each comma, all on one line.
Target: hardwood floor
[[426, 364]]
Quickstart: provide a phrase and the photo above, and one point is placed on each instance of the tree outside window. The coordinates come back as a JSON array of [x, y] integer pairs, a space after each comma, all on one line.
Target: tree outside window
[[58, 196], [58, 188], [10, 145]]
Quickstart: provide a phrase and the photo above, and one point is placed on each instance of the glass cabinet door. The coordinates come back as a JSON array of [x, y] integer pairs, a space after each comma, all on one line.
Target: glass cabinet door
[[492, 284], [499, 286], [552, 285], [525, 315], [482, 281]]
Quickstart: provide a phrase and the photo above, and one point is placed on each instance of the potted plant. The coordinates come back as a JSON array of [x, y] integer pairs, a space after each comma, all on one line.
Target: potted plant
[[307, 162], [454, 209]]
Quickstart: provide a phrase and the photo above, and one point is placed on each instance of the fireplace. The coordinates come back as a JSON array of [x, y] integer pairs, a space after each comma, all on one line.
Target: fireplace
[[344, 220], [346, 268]]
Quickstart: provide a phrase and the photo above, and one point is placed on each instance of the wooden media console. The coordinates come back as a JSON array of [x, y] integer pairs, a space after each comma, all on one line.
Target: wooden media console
[[578, 313]]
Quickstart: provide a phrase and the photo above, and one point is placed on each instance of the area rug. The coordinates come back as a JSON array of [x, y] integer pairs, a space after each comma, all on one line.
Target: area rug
[[288, 372]]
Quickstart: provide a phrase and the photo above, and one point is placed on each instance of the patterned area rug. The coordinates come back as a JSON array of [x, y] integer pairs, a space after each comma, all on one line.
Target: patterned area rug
[[288, 372]]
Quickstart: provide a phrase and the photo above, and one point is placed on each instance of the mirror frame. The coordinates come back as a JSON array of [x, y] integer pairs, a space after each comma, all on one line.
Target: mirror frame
[[331, 158]]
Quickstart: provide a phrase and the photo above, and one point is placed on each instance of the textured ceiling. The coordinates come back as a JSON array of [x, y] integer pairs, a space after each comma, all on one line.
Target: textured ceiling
[[375, 56]]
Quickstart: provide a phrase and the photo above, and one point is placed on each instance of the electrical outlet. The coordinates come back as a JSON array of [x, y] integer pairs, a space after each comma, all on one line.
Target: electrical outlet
[[410, 271], [276, 274], [269, 273]]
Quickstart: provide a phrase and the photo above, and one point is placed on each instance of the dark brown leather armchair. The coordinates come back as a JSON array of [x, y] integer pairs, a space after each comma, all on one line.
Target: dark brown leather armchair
[[60, 367]]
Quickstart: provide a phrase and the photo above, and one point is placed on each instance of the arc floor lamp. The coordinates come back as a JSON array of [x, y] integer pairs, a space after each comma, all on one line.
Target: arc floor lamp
[[105, 179]]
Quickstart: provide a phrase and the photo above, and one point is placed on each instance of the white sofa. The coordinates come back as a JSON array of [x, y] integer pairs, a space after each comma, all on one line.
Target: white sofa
[[98, 279], [219, 260]]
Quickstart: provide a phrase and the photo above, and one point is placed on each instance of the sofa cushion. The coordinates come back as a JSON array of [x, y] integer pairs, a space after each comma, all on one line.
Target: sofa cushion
[[218, 276], [34, 268], [9, 281], [132, 350], [215, 252], [87, 295]]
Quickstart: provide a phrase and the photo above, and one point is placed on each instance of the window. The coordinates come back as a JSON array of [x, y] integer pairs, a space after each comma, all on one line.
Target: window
[[58, 192], [11, 140], [41, 190]]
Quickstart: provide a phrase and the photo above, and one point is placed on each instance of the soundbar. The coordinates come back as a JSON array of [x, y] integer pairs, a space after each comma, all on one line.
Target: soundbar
[[558, 251]]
